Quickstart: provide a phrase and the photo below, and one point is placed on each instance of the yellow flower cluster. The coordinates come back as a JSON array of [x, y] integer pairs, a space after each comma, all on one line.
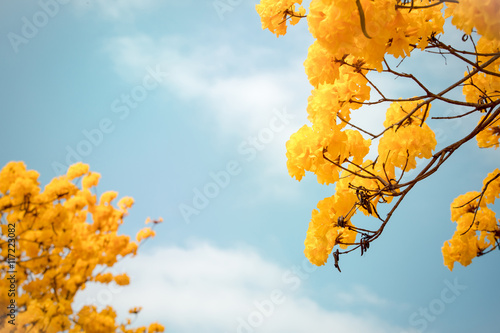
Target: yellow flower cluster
[[336, 66], [332, 224], [331, 103], [328, 149], [401, 145], [274, 14], [311, 150], [481, 15], [337, 26], [484, 88], [478, 228], [61, 235], [490, 136], [352, 39], [481, 85], [324, 232]]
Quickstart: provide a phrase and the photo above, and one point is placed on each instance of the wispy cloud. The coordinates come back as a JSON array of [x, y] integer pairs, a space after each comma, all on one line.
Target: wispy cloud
[[238, 94], [360, 295], [229, 290], [233, 86]]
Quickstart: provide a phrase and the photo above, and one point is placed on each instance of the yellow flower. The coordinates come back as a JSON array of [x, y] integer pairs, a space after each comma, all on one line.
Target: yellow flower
[[61, 249], [125, 202], [91, 179], [135, 310], [477, 226], [148, 220], [9, 174], [400, 146], [490, 136], [324, 231], [107, 197], [482, 15], [464, 204], [104, 278], [155, 328], [275, 13], [493, 190], [145, 233], [330, 104], [336, 26], [122, 279], [77, 170]]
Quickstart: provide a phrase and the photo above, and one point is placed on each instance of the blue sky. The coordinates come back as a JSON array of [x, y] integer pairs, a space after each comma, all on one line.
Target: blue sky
[[169, 99]]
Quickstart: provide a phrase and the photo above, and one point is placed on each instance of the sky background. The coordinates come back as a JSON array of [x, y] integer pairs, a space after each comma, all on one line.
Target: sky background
[[216, 95]]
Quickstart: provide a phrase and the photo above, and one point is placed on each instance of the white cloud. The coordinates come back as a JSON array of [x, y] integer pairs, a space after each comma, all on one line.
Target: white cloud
[[222, 78], [230, 84], [209, 289], [360, 295]]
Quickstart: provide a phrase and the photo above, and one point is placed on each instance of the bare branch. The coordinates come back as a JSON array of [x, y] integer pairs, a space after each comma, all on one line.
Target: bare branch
[[423, 7]]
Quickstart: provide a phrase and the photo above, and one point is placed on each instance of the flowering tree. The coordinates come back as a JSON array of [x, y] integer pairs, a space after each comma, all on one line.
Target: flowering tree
[[355, 42], [55, 241]]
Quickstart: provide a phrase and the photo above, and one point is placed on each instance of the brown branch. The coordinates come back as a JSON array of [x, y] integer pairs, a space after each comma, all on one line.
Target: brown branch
[[430, 99], [423, 7], [356, 127], [458, 116], [438, 159], [441, 156], [345, 169], [479, 202], [453, 52], [410, 76], [373, 85]]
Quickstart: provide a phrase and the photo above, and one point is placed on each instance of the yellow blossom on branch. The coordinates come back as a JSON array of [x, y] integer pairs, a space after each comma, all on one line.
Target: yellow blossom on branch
[[275, 14], [63, 238], [356, 42]]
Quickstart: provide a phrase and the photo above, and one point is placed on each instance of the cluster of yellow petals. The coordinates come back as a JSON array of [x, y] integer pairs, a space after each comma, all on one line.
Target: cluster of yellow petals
[[145, 233], [330, 104], [274, 14], [324, 232], [484, 88], [477, 226], [480, 15], [401, 145], [336, 25], [326, 148], [320, 66], [308, 147], [490, 136], [478, 229], [63, 234], [305, 153], [352, 37], [336, 66]]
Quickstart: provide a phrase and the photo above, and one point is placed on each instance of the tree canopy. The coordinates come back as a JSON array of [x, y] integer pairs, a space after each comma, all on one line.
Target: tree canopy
[[53, 242], [355, 42]]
